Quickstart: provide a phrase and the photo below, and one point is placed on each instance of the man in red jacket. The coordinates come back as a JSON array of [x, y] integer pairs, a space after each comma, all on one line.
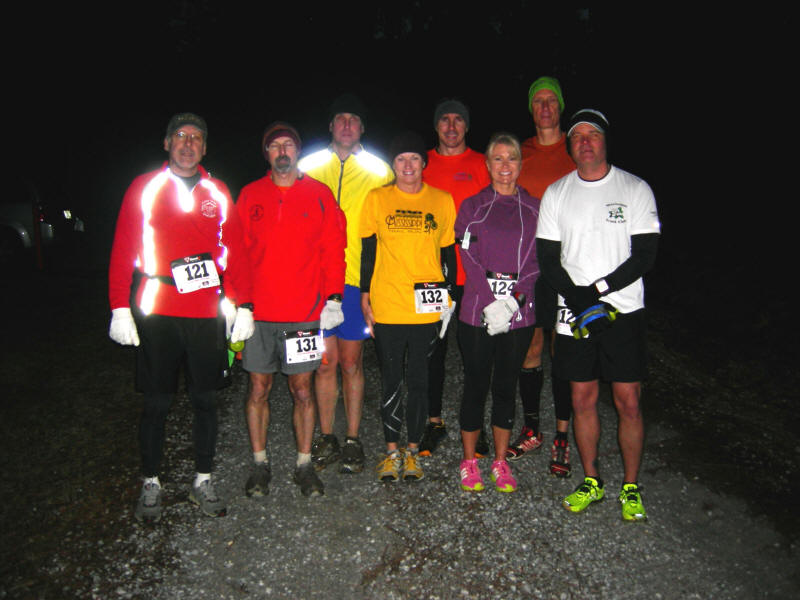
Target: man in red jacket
[[177, 234], [295, 235]]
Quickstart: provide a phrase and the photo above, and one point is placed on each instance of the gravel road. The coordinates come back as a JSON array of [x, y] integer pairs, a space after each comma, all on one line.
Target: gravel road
[[75, 536]]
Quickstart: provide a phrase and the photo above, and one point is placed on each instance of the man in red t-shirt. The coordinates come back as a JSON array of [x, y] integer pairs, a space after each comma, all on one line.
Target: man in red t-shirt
[[457, 169]]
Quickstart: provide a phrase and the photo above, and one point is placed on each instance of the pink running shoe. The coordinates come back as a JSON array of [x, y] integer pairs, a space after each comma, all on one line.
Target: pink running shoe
[[503, 479], [471, 480]]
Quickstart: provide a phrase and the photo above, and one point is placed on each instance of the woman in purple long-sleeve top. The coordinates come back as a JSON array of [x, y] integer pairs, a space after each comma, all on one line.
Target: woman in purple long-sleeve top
[[496, 235]]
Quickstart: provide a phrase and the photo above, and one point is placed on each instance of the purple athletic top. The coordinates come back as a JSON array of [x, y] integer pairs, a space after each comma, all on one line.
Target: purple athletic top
[[502, 248]]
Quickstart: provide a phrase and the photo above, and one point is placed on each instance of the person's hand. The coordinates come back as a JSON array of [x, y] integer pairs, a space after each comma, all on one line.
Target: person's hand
[[243, 325], [332, 315], [122, 329], [594, 320], [497, 330], [581, 297], [499, 312], [445, 317], [366, 308]]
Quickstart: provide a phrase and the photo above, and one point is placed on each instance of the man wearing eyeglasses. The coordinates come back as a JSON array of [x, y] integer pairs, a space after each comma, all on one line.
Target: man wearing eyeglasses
[[177, 235]]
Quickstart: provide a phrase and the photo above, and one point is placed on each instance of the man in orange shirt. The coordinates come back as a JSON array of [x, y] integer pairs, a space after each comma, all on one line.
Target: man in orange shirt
[[457, 169], [544, 160]]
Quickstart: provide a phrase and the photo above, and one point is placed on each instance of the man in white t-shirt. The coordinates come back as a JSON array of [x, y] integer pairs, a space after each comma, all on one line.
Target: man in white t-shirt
[[597, 235]]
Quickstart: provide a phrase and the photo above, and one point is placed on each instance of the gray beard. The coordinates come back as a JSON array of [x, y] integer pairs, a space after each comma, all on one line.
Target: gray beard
[[283, 164]]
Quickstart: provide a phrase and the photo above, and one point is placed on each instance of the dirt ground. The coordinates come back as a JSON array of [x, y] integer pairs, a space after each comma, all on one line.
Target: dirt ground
[[68, 449]]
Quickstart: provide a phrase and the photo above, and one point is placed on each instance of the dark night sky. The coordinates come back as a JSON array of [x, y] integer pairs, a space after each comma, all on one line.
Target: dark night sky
[[98, 88], [114, 84]]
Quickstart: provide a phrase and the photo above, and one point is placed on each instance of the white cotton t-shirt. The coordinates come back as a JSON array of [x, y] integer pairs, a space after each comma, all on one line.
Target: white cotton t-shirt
[[594, 221]]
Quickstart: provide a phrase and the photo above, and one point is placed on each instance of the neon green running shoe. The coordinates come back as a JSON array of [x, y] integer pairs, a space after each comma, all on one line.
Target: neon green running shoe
[[586, 493], [631, 500]]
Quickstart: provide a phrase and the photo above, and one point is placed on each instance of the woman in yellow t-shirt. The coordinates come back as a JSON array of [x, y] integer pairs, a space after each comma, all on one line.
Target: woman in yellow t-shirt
[[407, 246]]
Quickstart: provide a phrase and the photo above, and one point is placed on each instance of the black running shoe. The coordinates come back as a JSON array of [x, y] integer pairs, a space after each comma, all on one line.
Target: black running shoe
[[325, 451], [434, 433], [258, 482], [352, 456], [306, 478]]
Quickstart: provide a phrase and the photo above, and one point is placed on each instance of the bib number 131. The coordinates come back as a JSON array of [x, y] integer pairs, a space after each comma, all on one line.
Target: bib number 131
[[304, 346]]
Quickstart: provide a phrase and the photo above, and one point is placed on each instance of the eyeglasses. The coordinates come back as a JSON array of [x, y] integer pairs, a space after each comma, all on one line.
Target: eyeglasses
[[276, 147], [182, 136]]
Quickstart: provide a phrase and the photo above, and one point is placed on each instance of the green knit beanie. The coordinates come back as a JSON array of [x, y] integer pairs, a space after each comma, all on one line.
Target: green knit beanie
[[546, 83]]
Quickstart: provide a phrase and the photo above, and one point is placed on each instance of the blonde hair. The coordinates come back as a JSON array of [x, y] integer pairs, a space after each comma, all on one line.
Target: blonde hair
[[507, 139]]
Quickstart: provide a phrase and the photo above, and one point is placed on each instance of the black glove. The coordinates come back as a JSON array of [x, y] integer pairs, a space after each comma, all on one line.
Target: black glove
[[594, 320], [581, 297]]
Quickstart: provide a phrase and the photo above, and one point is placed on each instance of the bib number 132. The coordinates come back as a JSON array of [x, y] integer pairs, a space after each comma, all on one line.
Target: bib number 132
[[430, 297]]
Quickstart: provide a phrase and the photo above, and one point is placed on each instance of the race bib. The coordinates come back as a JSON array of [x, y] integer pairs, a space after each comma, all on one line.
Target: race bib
[[304, 346], [563, 320], [502, 284], [431, 297], [192, 273]]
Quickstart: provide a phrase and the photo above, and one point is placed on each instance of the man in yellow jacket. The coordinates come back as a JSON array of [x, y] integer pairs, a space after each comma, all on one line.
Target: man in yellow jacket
[[350, 172]]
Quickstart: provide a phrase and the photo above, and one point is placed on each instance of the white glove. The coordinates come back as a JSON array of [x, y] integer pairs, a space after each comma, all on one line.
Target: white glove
[[243, 325], [122, 329], [495, 330], [444, 317], [229, 311], [332, 315], [499, 313]]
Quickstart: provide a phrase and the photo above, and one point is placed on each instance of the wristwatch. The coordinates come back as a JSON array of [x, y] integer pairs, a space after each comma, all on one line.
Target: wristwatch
[[246, 305]]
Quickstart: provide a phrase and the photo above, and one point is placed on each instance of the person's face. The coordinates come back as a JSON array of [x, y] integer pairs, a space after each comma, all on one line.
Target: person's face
[[504, 165], [588, 147], [186, 148], [282, 154], [544, 105], [408, 168], [452, 130], [346, 130]]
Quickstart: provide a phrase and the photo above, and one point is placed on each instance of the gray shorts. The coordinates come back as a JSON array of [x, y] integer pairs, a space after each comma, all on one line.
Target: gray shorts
[[265, 352]]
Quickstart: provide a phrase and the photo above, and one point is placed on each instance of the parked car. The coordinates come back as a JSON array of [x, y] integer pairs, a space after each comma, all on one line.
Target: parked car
[[26, 206]]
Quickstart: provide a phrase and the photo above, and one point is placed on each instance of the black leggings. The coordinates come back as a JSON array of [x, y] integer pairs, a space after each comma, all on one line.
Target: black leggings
[[491, 361], [391, 342], [151, 430], [436, 367]]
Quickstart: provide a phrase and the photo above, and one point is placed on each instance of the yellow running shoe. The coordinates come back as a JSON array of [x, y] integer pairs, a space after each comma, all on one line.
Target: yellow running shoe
[[411, 467], [389, 468], [631, 500], [586, 493]]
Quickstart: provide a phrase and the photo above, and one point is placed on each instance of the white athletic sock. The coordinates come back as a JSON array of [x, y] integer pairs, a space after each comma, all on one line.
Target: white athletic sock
[[260, 456], [303, 459], [200, 478]]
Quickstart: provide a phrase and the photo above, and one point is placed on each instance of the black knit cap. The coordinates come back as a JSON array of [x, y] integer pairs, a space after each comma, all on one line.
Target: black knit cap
[[181, 119], [348, 103], [451, 105], [408, 141]]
